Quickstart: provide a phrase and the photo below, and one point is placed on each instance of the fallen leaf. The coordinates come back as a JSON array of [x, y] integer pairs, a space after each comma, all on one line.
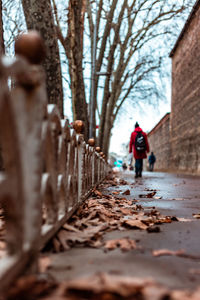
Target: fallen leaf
[[184, 220], [149, 195], [70, 227], [127, 192], [196, 216], [162, 252], [44, 263], [68, 238], [115, 193], [126, 211], [135, 224], [123, 182], [97, 193], [124, 244]]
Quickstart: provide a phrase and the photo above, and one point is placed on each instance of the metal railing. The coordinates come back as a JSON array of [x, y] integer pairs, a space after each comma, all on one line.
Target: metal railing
[[48, 169]]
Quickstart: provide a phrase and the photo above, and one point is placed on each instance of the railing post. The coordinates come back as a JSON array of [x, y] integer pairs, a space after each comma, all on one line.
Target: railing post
[[91, 142]]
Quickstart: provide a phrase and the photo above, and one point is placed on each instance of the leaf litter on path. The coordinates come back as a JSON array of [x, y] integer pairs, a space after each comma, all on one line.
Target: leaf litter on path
[[97, 215], [102, 213], [103, 286], [99, 286]]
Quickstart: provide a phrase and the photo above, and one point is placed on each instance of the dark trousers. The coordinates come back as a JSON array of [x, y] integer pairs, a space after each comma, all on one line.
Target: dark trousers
[[138, 166], [151, 165]]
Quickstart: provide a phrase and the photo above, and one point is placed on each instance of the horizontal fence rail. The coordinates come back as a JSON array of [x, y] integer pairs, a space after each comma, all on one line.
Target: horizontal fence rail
[[47, 169]]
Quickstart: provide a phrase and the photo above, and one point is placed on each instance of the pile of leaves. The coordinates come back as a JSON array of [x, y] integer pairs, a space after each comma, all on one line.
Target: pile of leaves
[[102, 213], [100, 286]]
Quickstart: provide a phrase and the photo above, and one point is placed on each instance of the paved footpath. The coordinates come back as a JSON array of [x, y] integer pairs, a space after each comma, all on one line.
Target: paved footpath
[[177, 195]]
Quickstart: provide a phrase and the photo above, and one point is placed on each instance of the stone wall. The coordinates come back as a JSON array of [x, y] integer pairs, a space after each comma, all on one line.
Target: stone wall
[[159, 141], [185, 107]]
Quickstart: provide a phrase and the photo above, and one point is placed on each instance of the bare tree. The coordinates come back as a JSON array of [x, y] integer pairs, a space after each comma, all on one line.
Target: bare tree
[[73, 46], [39, 16], [129, 35]]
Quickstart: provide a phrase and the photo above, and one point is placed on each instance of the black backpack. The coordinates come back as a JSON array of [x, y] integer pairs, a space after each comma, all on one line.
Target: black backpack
[[140, 144]]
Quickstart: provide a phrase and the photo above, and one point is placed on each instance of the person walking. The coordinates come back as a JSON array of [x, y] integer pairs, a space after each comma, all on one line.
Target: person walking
[[140, 147], [152, 160]]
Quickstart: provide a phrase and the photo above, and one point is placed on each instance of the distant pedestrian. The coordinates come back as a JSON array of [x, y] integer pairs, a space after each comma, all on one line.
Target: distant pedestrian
[[152, 160], [124, 166], [139, 146]]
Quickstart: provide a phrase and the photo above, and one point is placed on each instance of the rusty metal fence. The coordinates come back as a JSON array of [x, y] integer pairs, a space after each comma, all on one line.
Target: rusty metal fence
[[48, 168]]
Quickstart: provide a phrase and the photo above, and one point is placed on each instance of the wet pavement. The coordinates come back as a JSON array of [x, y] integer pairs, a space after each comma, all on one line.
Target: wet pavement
[[176, 195]]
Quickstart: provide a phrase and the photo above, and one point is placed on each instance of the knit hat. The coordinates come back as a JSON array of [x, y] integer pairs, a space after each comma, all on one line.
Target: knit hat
[[136, 124]]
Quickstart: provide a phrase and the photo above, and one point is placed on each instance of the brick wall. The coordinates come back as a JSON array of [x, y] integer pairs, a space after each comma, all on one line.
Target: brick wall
[[159, 141], [185, 108]]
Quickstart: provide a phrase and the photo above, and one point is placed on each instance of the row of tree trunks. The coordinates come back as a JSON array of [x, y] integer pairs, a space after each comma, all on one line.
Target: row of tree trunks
[[39, 16]]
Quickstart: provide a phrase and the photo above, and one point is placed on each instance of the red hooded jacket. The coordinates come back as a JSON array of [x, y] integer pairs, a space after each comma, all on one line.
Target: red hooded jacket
[[132, 144]]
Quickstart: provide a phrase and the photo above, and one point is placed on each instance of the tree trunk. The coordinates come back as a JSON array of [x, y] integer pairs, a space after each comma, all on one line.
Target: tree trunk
[[107, 92], [2, 48], [2, 51], [75, 57], [106, 139], [38, 15]]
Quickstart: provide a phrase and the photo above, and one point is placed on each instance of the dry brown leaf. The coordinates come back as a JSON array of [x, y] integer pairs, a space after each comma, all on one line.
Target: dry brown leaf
[[196, 216], [149, 195], [70, 227], [127, 244], [95, 244], [111, 244], [115, 193], [184, 220], [92, 202], [127, 192], [44, 263], [126, 211], [97, 193], [124, 244], [162, 220], [154, 292], [134, 224], [123, 182], [162, 252], [182, 295], [68, 238]]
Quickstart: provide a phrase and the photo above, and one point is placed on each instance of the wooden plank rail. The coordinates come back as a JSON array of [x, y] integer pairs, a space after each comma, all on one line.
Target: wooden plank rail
[[48, 167]]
